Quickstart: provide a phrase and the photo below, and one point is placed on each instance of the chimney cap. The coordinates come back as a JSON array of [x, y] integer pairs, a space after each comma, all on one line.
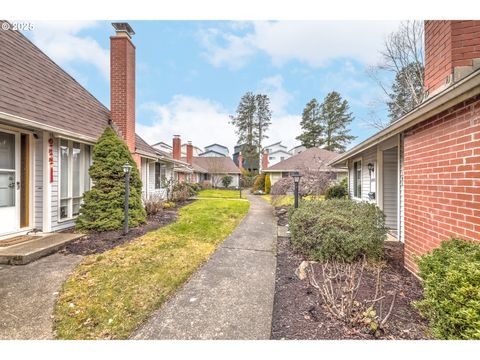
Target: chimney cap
[[176, 136], [123, 27], [189, 143]]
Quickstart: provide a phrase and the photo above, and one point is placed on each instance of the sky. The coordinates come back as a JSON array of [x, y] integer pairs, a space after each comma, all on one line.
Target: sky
[[190, 75]]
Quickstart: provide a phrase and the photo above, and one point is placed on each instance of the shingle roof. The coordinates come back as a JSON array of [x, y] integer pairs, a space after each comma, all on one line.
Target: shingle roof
[[313, 158], [143, 147], [214, 164], [32, 86]]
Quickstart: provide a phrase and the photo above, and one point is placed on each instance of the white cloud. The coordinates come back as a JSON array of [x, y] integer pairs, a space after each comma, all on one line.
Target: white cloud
[[279, 97], [201, 121], [61, 41], [313, 42], [234, 54]]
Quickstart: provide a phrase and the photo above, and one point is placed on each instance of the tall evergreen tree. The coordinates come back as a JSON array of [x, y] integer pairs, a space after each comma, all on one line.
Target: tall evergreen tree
[[335, 116], [263, 118], [311, 126], [103, 205], [251, 121]]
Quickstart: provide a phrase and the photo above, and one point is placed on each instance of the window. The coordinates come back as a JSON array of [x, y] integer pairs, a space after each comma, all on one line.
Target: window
[[74, 180], [282, 158], [271, 158], [158, 175], [357, 179]]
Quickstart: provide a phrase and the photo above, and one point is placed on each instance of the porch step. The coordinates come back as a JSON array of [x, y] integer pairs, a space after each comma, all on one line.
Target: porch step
[[27, 252]]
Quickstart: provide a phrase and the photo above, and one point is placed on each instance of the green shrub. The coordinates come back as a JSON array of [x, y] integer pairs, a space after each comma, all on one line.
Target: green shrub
[[451, 283], [259, 183], [226, 181], [268, 184], [182, 191], [103, 205], [338, 230], [337, 191]]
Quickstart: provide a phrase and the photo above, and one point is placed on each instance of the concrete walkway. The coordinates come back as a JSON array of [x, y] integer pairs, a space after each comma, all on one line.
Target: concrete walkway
[[231, 296], [28, 293]]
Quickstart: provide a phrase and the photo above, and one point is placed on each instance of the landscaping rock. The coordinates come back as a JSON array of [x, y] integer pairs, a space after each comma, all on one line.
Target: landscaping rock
[[301, 271]]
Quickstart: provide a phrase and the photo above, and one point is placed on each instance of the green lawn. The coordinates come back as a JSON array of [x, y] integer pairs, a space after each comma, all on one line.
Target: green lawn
[[280, 200], [111, 294], [220, 193]]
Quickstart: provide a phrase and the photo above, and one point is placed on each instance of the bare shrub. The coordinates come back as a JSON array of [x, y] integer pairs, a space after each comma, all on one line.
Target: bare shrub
[[313, 183], [153, 204], [339, 290]]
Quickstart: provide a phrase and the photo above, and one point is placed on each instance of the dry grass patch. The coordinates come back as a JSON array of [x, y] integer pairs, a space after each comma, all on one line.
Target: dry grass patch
[[111, 294]]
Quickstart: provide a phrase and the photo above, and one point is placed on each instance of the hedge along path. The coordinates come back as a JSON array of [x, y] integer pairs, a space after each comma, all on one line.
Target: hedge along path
[[110, 294]]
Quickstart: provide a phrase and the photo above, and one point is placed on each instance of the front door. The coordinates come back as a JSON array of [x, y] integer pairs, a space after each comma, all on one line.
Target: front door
[[9, 182]]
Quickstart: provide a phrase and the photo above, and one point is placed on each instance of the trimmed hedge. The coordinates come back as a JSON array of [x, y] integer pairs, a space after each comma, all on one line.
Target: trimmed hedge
[[259, 183], [451, 283], [268, 184], [337, 229]]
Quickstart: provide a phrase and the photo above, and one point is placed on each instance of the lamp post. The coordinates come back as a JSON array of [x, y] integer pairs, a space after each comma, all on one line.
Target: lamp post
[[126, 169], [296, 179]]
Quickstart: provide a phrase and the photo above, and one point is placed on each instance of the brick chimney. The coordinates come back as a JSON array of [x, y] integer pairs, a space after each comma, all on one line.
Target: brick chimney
[[190, 153], [177, 147], [240, 161], [122, 82], [265, 160], [452, 51]]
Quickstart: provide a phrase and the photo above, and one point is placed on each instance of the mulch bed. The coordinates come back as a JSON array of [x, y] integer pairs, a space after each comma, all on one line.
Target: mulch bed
[[299, 313], [98, 242]]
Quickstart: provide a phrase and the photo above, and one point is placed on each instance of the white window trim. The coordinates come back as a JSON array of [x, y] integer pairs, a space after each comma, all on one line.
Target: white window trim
[[360, 160], [70, 196]]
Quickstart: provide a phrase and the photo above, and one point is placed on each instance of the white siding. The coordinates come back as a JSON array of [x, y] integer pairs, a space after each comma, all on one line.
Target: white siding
[[56, 224], [38, 181], [390, 186], [368, 156]]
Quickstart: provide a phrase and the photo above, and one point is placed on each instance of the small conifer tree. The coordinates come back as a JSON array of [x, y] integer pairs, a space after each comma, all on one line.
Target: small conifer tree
[[103, 205], [268, 184]]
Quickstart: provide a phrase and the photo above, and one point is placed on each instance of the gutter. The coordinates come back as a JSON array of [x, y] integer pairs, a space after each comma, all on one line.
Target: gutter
[[38, 125], [456, 93]]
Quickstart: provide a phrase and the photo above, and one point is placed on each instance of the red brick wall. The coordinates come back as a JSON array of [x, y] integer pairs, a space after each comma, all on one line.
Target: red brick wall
[[190, 153], [265, 160], [465, 42], [449, 44], [437, 53], [442, 179], [122, 87], [176, 147]]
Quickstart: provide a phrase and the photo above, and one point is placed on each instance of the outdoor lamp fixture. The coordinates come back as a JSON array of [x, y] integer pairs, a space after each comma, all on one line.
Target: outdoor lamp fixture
[[126, 169], [371, 168], [296, 179]]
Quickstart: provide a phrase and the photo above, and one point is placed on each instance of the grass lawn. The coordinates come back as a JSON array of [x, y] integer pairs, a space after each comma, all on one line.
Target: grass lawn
[[111, 294], [280, 200], [220, 193]]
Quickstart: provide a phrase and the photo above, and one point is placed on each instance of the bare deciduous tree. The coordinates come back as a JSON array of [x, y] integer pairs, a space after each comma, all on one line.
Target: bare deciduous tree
[[402, 56]]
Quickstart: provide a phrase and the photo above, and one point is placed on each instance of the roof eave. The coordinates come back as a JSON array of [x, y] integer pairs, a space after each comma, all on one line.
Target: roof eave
[[462, 90], [23, 122]]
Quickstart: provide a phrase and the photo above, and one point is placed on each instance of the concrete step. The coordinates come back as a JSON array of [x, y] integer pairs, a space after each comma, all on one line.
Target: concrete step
[[27, 252]]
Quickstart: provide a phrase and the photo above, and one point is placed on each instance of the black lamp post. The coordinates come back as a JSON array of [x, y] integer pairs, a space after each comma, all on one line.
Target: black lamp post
[[126, 169], [296, 179]]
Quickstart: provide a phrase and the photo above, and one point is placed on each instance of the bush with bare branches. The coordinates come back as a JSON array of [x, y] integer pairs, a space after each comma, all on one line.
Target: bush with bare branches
[[312, 183], [339, 285]]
